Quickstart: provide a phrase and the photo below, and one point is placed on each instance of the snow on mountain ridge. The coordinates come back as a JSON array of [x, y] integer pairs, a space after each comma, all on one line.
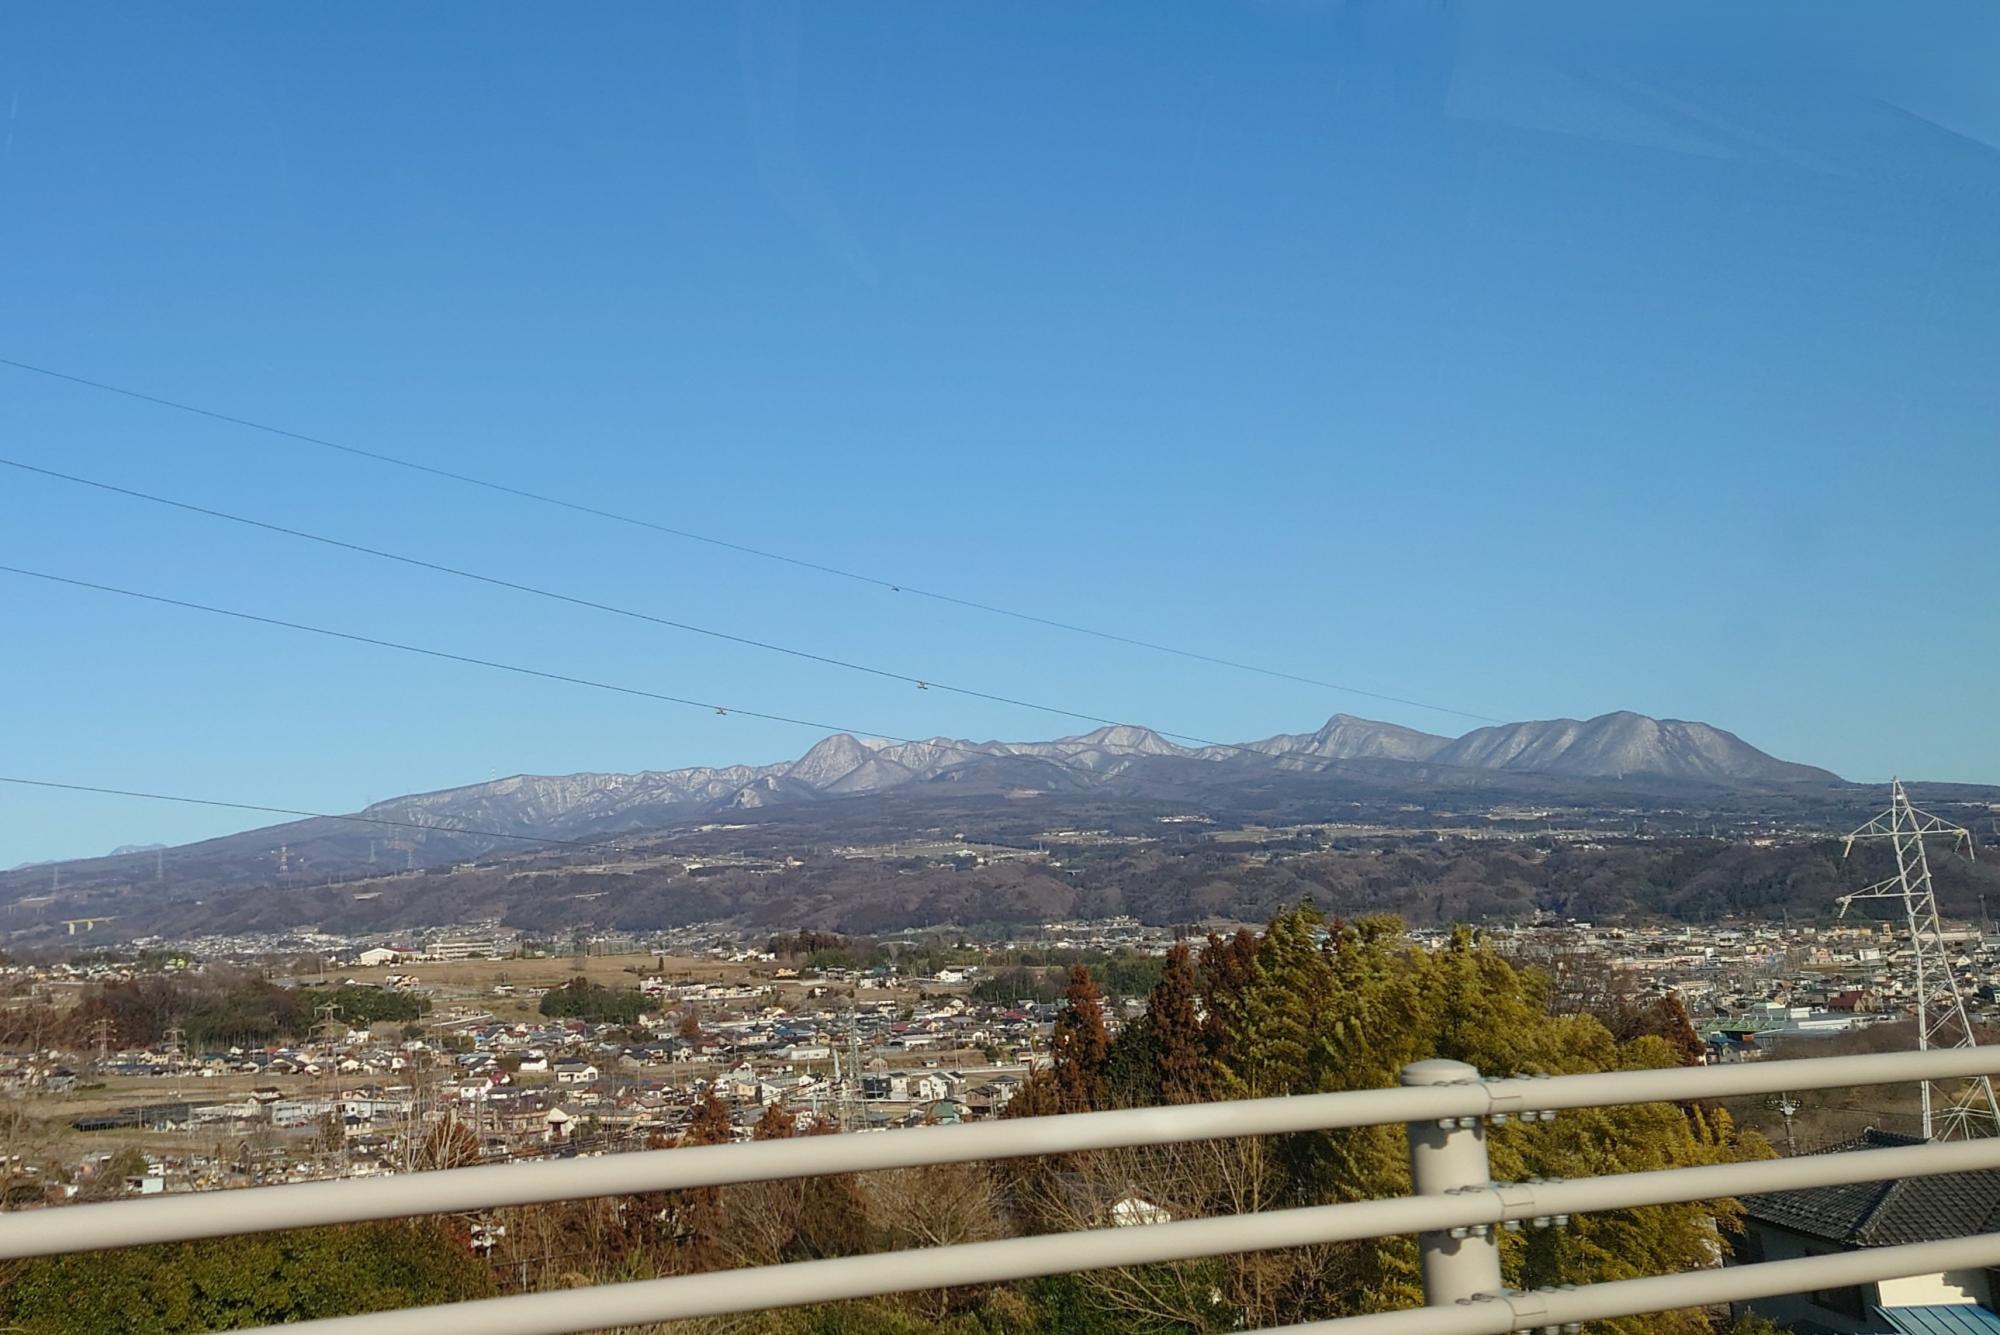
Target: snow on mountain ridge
[[1610, 746]]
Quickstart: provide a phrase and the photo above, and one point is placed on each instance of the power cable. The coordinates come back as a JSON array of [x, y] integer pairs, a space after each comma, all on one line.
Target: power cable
[[415, 649], [921, 683], [1320, 763], [746, 549], [294, 811], [940, 743]]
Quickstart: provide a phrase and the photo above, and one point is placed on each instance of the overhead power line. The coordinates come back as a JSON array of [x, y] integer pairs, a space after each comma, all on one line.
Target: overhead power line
[[922, 683], [746, 549], [412, 648], [1322, 762], [294, 811]]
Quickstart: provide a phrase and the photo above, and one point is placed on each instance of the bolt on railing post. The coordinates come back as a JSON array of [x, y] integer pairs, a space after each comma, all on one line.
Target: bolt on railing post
[[1449, 1154]]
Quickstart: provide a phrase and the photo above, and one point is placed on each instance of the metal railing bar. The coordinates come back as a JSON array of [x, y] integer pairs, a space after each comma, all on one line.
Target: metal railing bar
[[1538, 1308], [762, 1287], [299, 1205]]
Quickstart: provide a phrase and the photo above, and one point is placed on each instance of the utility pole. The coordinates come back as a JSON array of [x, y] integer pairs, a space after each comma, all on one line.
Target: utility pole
[[1949, 1113], [1787, 1108]]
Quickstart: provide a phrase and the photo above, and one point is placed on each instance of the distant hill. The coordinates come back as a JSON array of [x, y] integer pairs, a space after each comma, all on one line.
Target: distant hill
[[1616, 816], [1345, 737], [1623, 760], [1613, 746]]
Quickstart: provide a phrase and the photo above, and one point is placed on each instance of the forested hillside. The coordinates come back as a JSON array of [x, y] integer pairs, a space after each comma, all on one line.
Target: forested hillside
[[1427, 880]]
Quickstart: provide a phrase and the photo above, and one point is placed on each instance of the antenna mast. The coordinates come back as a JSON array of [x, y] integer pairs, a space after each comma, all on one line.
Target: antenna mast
[[1968, 1110]]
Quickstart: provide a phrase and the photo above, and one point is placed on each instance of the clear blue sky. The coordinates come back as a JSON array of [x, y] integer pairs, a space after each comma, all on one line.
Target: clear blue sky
[[1535, 360]]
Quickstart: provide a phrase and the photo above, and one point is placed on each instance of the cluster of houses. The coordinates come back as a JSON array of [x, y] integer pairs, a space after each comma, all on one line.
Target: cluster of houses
[[1749, 987], [867, 1050], [359, 1101]]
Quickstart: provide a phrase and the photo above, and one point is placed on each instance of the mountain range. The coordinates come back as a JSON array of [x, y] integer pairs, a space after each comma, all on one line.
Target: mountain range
[[1623, 753], [1609, 747]]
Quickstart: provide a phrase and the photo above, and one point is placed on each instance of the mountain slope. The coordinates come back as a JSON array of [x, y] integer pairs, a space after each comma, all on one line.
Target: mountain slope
[[1613, 746], [1124, 761], [1345, 737]]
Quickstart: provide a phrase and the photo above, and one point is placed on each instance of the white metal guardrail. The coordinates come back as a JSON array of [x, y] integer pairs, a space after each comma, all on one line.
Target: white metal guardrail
[[1445, 1106]]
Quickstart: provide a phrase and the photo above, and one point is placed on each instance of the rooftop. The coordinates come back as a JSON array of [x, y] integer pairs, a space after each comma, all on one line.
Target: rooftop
[[1883, 1214]]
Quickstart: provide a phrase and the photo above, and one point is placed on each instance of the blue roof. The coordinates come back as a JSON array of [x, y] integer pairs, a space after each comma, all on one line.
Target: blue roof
[[1941, 1319]]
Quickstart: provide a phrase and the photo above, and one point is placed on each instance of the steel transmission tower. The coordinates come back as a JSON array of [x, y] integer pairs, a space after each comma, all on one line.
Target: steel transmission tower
[[847, 1092], [1949, 1113]]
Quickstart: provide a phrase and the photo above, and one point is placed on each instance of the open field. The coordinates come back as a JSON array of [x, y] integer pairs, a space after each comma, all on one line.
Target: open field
[[481, 975]]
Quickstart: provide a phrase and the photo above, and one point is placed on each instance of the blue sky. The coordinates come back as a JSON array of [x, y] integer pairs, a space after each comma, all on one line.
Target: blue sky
[[1532, 360]]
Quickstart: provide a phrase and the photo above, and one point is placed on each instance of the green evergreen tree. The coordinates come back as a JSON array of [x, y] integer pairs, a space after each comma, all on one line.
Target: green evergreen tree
[[1222, 974], [1272, 1023], [255, 1280], [1297, 1015]]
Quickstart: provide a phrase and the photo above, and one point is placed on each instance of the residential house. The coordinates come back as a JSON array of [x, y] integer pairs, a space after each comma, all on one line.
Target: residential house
[[1820, 1221], [933, 1086]]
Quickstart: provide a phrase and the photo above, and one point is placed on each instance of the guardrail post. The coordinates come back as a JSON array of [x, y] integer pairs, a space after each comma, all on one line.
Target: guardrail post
[[1449, 1154]]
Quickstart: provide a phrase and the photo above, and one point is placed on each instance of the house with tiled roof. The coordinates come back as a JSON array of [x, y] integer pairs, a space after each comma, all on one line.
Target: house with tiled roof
[[1820, 1221]]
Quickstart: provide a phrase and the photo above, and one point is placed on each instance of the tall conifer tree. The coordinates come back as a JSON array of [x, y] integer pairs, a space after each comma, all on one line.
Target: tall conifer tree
[[1080, 1046], [1174, 1018]]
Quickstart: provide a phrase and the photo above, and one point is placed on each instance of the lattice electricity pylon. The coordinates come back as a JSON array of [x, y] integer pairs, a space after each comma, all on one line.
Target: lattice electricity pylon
[[1969, 1109], [848, 1091]]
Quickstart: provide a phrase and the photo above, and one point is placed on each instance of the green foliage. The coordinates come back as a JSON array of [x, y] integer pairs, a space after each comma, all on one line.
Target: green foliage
[[219, 1008], [1053, 1306], [1310, 1007], [230, 1283], [1013, 986], [581, 999], [212, 1009], [361, 1005], [1038, 979], [1127, 975], [1280, 1041]]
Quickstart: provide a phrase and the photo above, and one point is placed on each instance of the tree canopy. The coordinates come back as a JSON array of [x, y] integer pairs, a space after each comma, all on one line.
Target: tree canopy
[[226, 1283], [581, 999], [221, 1007], [1315, 1007]]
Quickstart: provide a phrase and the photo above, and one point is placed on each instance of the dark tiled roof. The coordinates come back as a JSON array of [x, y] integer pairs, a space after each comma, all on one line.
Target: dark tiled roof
[[1884, 1214]]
